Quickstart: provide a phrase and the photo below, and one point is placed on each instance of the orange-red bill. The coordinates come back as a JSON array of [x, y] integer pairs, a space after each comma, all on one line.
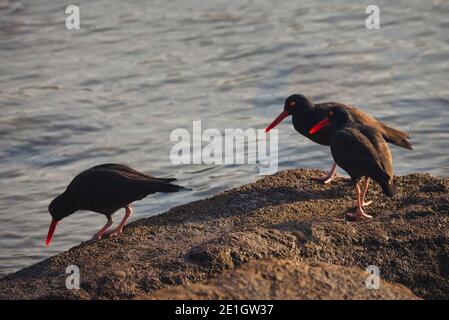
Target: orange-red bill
[[320, 125], [51, 231], [276, 121]]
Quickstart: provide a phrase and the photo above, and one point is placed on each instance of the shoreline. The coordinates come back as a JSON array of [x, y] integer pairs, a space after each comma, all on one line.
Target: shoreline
[[280, 220]]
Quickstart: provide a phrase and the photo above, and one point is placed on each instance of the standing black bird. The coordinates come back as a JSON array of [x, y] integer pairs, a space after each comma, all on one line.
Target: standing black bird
[[305, 114], [361, 151], [105, 189]]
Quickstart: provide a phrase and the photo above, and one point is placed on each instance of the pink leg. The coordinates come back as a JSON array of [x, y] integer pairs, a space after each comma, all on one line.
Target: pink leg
[[329, 177], [99, 234], [119, 228], [360, 213], [365, 189]]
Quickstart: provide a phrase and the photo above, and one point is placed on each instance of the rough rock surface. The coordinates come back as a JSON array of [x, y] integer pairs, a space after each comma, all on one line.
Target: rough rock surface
[[286, 216], [285, 280]]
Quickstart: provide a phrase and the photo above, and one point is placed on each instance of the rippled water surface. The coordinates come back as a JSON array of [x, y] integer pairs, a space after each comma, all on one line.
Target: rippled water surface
[[114, 90]]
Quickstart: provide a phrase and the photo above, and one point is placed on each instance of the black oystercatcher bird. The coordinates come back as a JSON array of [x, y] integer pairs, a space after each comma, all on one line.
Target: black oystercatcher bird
[[105, 189], [361, 151], [305, 114]]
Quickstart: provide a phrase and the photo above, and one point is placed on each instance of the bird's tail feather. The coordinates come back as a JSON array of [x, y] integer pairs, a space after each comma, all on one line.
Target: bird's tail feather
[[396, 137], [173, 188], [167, 179], [165, 185], [389, 188]]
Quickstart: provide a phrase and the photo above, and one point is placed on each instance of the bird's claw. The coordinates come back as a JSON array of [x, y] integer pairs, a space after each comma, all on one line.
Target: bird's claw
[[325, 179], [365, 204], [359, 214], [95, 237], [114, 233]]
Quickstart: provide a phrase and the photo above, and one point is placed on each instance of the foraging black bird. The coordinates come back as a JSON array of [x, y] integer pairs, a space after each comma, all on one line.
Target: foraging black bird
[[105, 189], [305, 114], [361, 151]]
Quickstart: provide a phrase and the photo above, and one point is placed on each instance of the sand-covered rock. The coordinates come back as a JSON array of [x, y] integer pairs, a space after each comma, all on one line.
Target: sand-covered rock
[[282, 279], [286, 216]]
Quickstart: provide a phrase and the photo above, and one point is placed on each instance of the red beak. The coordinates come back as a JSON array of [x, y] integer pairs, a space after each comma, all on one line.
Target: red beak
[[276, 121], [51, 231], [320, 125]]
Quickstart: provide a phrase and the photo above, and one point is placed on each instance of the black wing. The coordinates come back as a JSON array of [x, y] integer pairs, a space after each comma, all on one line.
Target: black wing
[[382, 151], [129, 170], [106, 188], [357, 155]]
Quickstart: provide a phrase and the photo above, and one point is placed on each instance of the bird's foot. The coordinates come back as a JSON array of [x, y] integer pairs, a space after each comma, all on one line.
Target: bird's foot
[[360, 213], [329, 177], [326, 179], [365, 204], [114, 232], [95, 237]]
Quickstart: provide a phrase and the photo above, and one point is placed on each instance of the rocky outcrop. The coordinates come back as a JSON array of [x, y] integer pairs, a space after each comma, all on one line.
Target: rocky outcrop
[[269, 279], [285, 216]]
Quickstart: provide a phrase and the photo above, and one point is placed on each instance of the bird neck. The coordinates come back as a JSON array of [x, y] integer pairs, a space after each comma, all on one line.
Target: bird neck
[[69, 206], [304, 118], [341, 123]]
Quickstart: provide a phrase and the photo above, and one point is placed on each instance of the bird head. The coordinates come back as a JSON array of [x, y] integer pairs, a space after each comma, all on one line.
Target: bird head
[[59, 208], [292, 106], [337, 117]]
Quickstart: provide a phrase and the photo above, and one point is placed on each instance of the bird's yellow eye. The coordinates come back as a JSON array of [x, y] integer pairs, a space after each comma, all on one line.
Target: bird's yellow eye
[[331, 113], [292, 104]]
